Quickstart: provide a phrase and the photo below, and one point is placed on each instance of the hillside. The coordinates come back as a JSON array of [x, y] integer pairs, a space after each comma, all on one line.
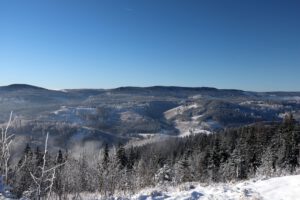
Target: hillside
[[280, 188], [128, 113]]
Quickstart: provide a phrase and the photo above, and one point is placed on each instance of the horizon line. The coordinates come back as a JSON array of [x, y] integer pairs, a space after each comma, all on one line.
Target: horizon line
[[150, 86]]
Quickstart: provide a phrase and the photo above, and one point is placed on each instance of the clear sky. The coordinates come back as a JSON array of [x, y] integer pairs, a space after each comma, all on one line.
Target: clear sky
[[242, 44]]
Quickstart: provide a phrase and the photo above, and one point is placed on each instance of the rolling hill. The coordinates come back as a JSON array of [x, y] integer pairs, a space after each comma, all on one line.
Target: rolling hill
[[81, 116]]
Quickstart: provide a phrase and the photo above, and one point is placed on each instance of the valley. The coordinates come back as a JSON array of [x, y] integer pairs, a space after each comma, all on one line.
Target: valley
[[84, 116]]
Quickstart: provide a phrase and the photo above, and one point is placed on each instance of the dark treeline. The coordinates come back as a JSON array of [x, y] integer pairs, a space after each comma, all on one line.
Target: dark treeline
[[231, 155]]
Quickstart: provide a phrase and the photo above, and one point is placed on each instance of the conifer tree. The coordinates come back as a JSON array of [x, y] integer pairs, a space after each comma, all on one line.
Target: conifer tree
[[58, 182], [184, 169], [121, 157], [105, 159], [23, 180]]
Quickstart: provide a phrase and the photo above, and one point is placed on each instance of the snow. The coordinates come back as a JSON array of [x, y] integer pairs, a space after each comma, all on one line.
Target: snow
[[282, 188], [279, 188], [262, 105], [292, 98], [61, 110], [147, 138], [64, 110], [187, 128], [179, 110], [210, 124], [197, 117], [199, 96], [129, 116], [194, 191], [72, 114]]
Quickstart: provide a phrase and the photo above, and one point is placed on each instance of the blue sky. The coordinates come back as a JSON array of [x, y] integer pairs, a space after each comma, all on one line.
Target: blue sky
[[248, 44]]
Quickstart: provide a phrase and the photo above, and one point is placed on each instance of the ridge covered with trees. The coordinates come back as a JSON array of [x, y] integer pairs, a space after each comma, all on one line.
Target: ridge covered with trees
[[233, 154]]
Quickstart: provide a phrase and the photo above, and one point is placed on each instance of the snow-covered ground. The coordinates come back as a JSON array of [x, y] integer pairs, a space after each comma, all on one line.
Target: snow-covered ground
[[191, 127], [179, 110], [130, 116], [147, 138], [280, 188], [262, 105], [188, 127]]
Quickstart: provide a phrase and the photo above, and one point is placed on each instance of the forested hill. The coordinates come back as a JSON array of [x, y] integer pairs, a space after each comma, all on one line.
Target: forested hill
[[233, 154], [79, 117]]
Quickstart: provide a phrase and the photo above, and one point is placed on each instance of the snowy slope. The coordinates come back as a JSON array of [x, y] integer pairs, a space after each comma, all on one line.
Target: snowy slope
[[169, 114], [280, 188], [196, 191], [186, 127]]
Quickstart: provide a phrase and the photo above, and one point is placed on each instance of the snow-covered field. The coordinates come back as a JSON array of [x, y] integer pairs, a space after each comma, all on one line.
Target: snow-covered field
[[280, 188], [191, 127]]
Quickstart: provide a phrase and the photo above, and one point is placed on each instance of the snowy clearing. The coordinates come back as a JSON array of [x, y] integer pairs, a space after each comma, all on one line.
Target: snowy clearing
[[280, 188], [179, 110], [187, 128]]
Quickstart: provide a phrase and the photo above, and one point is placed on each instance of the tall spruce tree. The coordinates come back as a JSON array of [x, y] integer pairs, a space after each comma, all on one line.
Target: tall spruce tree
[[121, 157], [58, 182], [23, 177]]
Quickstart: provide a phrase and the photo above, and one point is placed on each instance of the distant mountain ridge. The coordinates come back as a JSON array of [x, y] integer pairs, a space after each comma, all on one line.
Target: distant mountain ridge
[[126, 113], [20, 87]]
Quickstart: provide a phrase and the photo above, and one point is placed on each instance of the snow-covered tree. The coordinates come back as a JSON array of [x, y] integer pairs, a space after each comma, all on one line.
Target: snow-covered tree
[[44, 180], [6, 140]]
